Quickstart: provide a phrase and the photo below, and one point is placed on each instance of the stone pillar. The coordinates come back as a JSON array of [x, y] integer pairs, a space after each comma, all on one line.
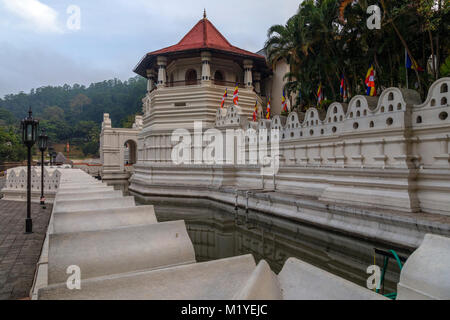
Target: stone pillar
[[206, 66], [162, 63], [258, 82], [150, 80], [248, 79]]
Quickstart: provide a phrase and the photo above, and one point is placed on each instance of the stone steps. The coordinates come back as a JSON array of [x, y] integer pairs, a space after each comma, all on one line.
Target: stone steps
[[124, 253], [103, 219]]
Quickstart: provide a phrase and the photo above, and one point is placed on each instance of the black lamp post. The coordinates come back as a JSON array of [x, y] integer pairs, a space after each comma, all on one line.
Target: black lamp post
[[29, 135], [42, 142]]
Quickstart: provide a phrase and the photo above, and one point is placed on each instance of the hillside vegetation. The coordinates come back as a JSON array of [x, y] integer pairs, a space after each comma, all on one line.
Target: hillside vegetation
[[69, 113]]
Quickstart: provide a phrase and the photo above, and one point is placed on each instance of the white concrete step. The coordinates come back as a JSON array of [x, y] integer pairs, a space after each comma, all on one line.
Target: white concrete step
[[84, 205], [85, 189], [81, 184], [82, 195], [217, 279], [120, 250], [262, 284], [426, 273], [103, 219], [302, 281]]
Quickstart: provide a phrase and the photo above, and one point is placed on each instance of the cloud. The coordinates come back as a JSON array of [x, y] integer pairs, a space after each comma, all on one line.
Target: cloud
[[35, 15], [24, 68], [114, 35]]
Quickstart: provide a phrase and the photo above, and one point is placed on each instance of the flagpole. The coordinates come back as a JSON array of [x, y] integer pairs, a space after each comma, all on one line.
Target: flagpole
[[406, 69]]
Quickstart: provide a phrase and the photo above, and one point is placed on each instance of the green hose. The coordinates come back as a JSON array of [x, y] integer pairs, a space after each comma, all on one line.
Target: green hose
[[397, 258], [392, 295]]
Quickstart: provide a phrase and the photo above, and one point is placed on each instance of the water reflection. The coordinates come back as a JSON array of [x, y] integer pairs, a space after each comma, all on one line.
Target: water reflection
[[218, 231]]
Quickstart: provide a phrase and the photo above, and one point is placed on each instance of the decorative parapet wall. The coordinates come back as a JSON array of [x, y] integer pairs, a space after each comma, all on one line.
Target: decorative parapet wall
[[16, 183], [387, 152]]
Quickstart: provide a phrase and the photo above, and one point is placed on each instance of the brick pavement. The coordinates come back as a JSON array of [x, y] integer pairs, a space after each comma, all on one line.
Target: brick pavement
[[20, 252]]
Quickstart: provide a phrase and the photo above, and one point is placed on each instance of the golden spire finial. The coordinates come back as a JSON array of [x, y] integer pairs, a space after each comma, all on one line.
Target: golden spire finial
[[204, 13]]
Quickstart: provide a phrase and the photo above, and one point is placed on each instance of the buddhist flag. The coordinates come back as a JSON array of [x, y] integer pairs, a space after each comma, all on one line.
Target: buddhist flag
[[343, 89], [411, 63], [319, 94], [223, 99], [268, 109], [284, 102], [236, 96], [370, 82], [255, 111]]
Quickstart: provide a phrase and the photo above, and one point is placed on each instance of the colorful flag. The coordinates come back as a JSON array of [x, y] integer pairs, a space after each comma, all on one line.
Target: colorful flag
[[255, 111], [319, 94], [67, 147], [284, 102], [343, 88], [411, 64], [268, 109], [370, 82], [236, 96], [223, 99]]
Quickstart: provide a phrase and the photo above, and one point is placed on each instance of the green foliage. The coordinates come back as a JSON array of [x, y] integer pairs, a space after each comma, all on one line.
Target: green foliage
[[53, 113], [319, 47], [128, 121], [90, 148], [74, 113], [6, 118], [445, 68], [11, 147]]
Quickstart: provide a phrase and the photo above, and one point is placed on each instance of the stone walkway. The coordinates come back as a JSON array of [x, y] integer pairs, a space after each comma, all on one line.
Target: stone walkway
[[20, 252]]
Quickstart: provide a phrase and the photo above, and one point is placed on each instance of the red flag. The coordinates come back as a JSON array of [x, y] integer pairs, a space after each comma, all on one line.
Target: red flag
[[255, 112], [223, 99], [236, 96], [284, 102]]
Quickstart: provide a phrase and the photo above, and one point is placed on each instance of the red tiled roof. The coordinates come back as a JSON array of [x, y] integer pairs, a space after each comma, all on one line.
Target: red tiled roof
[[205, 36]]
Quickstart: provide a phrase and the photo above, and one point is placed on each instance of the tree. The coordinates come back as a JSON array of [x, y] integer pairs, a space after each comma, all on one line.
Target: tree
[[62, 110], [6, 117], [11, 146], [326, 39], [53, 113], [78, 102]]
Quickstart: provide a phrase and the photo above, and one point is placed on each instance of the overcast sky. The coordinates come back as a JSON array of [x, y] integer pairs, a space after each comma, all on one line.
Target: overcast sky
[[37, 48]]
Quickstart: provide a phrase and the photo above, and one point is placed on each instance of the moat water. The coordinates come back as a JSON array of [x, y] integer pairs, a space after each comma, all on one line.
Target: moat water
[[218, 231]]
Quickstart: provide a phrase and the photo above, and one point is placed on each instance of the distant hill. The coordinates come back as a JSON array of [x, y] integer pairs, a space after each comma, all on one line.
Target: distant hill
[[74, 113]]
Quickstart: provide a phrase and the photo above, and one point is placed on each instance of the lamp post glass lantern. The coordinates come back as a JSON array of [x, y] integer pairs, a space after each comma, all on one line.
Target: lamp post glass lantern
[[29, 128], [42, 143]]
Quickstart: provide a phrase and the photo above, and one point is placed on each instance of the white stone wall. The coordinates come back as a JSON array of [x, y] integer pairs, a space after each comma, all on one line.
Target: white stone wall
[[15, 187], [371, 152]]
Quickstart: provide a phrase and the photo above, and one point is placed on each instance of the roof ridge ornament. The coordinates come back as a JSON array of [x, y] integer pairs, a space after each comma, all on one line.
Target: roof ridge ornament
[[204, 13]]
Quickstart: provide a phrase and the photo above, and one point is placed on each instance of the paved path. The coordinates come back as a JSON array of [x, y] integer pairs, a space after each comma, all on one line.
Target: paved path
[[20, 252]]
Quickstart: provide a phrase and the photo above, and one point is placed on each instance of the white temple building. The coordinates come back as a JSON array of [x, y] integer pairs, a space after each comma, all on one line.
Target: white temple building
[[373, 154]]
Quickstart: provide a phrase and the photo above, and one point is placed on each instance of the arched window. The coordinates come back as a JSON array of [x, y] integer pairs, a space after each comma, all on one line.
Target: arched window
[[191, 77], [218, 77]]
